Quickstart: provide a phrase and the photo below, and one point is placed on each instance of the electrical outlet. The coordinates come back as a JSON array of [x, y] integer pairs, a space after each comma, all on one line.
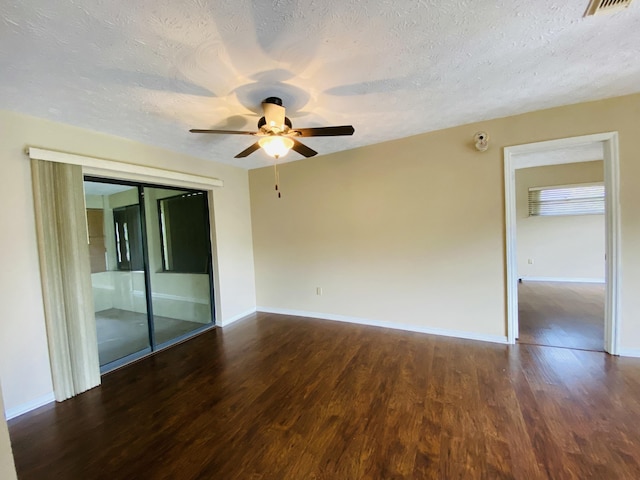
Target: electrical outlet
[[530, 261], [318, 290]]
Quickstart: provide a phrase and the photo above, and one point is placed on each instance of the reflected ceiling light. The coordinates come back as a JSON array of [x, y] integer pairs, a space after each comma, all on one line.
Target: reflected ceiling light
[[275, 145]]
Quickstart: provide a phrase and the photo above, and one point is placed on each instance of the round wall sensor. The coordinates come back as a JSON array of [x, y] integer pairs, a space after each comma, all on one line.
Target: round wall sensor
[[482, 141]]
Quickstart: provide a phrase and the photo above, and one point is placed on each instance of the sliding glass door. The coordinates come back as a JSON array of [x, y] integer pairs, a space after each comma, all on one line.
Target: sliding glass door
[[116, 246], [151, 269], [179, 261]]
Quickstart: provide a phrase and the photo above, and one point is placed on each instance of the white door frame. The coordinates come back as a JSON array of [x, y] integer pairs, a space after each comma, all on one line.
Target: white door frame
[[612, 226]]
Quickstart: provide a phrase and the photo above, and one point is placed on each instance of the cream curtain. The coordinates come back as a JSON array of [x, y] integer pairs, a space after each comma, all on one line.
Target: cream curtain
[[66, 278]]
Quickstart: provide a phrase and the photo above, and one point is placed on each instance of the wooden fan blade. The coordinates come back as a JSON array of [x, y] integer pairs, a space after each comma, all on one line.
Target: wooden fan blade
[[302, 149], [227, 132], [324, 131], [248, 151]]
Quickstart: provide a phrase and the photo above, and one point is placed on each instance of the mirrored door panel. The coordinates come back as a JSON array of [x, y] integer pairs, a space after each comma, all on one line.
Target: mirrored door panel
[[116, 249], [177, 225]]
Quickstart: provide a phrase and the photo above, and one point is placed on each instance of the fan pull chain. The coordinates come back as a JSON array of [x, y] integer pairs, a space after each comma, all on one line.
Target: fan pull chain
[[276, 175]]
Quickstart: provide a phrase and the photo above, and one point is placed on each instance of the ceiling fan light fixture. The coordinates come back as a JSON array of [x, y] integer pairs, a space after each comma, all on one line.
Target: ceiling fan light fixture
[[275, 145], [275, 130]]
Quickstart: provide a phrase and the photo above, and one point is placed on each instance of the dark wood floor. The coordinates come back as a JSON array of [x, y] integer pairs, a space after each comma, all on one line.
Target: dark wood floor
[[562, 314], [278, 397]]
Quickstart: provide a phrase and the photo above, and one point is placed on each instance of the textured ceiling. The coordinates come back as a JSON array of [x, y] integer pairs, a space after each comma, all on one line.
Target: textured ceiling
[[149, 70]]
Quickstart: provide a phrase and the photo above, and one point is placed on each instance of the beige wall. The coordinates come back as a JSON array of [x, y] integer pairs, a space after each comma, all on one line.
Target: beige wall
[[24, 362], [412, 231], [561, 247], [7, 467], [389, 232]]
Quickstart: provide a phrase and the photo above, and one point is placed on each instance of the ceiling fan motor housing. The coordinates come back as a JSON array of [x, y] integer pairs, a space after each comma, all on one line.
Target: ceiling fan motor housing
[[273, 100]]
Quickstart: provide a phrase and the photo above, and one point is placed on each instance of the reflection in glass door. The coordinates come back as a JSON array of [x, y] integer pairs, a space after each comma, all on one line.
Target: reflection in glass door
[[117, 270], [179, 261], [151, 270]]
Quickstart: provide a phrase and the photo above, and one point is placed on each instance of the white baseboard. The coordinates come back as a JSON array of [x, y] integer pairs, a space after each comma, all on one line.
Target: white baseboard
[[31, 405], [384, 324], [562, 279], [629, 352], [228, 321]]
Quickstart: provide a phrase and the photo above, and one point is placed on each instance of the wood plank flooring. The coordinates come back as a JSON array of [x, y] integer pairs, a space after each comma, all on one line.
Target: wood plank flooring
[[562, 314], [280, 397]]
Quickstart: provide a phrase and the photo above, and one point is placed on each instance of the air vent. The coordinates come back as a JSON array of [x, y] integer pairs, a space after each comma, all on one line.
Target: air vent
[[600, 7]]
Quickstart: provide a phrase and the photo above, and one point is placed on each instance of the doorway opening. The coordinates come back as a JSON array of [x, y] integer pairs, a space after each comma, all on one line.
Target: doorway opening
[[577, 308], [560, 245], [151, 266]]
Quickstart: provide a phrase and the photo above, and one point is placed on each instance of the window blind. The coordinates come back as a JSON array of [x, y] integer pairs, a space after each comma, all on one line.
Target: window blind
[[579, 199]]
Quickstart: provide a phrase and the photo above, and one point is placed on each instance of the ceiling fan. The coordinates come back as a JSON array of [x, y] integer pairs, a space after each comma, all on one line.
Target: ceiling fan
[[277, 135]]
